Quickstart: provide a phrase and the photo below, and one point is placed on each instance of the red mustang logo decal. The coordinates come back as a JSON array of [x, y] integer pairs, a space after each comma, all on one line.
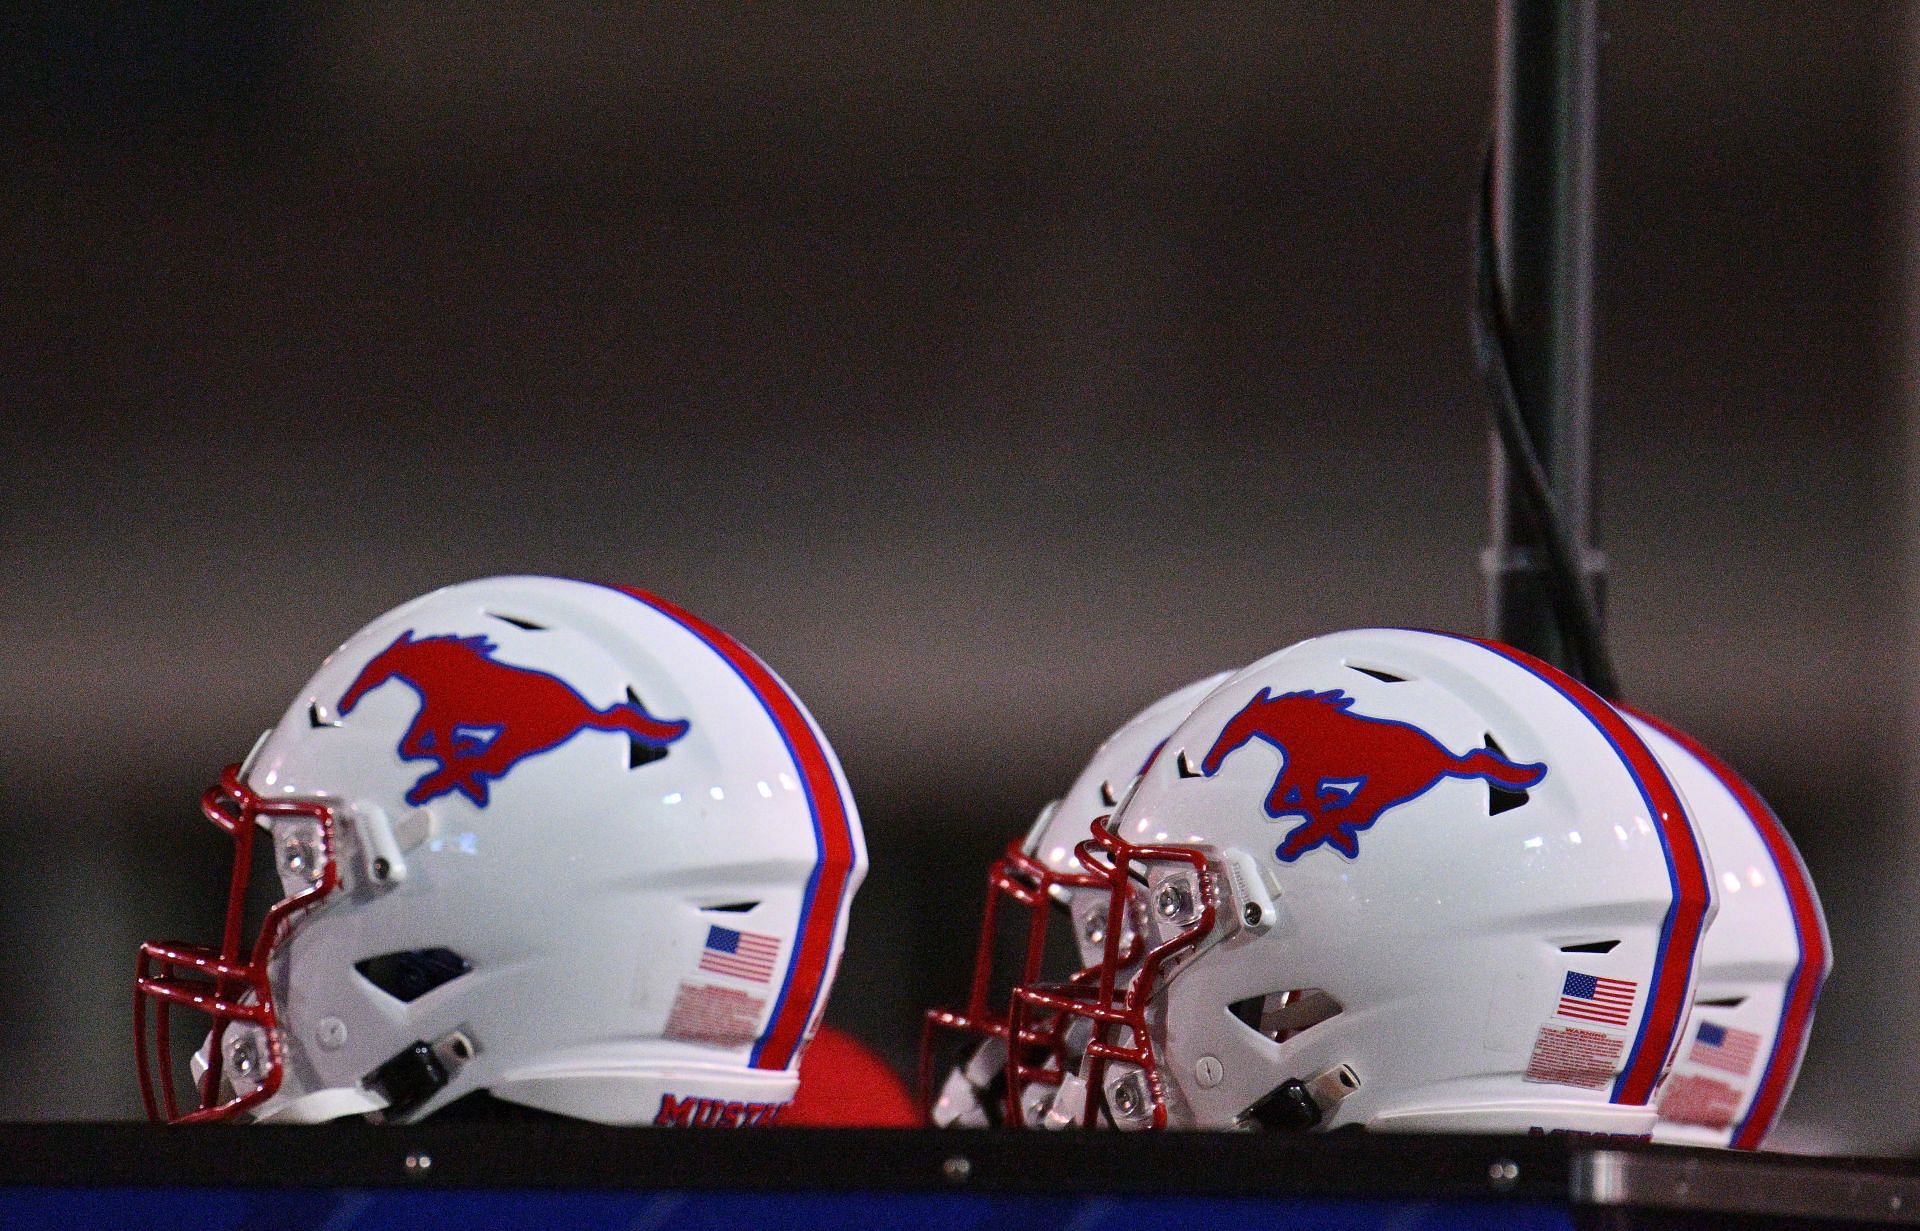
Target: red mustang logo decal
[[480, 717], [1342, 770]]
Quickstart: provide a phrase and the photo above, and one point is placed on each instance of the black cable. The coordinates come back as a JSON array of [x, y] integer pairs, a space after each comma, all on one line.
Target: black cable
[[1574, 611]]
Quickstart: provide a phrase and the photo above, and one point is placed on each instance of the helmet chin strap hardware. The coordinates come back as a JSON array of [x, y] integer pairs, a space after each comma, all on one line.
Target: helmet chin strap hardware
[[1286, 1108], [1068, 1106], [417, 1073], [1297, 1106], [413, 1076]]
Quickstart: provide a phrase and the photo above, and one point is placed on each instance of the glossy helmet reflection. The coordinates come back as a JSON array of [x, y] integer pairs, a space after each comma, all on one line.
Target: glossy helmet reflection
[[1762, 963], [561, 842], [1040, 874], [1399, 879]]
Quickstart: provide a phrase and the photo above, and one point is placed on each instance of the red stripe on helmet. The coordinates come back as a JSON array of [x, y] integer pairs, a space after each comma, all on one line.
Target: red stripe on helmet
[[1665, 1015], [1809, 927], [804, 986]]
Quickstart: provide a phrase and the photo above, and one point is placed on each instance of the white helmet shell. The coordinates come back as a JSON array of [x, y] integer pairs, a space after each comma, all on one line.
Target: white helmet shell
[[1762, 963], [1101, 787], [1406, 880], [592, 855]]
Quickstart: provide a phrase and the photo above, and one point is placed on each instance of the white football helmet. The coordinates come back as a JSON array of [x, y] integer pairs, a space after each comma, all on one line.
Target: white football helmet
[[1762, 963], [561, 842], [1040, 874], [1398, 879]]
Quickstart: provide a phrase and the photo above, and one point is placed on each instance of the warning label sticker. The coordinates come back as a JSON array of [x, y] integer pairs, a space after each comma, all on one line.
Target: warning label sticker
[[723, 1016], [1690, 1098], [1572, 1056]]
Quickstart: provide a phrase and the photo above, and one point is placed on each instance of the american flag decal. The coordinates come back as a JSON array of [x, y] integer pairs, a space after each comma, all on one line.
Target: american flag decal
[[1591, 998], [744, 955], [1724, 1048]]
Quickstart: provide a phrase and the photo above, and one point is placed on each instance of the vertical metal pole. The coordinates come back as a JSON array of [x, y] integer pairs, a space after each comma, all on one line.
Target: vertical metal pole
[[1545, 115], [1859, 1107]]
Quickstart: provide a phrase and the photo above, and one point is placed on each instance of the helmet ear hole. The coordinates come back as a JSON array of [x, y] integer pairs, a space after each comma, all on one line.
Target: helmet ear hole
[[411, 974], [1280, 1016]]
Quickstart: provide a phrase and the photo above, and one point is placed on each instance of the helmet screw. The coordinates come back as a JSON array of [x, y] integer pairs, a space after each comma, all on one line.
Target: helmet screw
[[301, 852], [381, 869], [419, 1164], [1208, 1072], [1174, 901], [957, 1169], [331, 1033], [1094, 928], [1251, 914], [1129, 1098], [1504, 1173], [244, 1058]]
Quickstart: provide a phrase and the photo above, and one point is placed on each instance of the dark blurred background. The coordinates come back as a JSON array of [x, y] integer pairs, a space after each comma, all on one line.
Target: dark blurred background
[[991, 369]]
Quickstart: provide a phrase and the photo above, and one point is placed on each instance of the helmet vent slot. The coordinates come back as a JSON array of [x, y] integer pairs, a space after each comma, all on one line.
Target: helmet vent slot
[[318, 717], [1721, 1002], [639, 752], [1185, 766], [411, 974], [1499, 798], [1385, 677], [1107, 796], [732, 908], [1591, 946], [1282, 1015], [518, 622]]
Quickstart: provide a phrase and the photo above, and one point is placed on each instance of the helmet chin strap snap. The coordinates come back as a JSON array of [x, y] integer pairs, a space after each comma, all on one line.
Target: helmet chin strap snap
[[418, 1072], [1286, 1108], [407, 1081], [1297, 1106]]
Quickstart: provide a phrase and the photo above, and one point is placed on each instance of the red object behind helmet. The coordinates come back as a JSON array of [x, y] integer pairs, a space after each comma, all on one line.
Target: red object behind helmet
[[845, 1085]]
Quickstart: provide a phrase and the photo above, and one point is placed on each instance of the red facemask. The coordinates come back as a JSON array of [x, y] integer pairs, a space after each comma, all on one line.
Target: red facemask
[[1040, 1047], [1113, 995], [231, 984]]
